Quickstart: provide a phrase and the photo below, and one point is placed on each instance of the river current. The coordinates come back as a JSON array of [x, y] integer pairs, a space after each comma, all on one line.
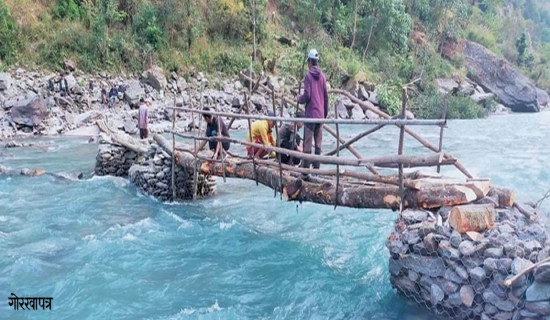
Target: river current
[[103, 250]]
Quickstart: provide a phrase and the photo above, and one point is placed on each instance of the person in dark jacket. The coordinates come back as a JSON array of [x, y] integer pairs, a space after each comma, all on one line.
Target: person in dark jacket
[[315, 97], [212, 131], [288, 141]]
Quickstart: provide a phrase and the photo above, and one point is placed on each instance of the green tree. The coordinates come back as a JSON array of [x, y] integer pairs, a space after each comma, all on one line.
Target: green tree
[[8, 34]]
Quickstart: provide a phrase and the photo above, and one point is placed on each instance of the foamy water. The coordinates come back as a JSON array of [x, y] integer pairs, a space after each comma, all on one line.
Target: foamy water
[[103, 251]]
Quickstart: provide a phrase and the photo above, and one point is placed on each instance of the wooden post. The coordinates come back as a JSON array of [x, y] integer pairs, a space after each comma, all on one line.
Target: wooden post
[[443, 117], [337, 156], [220, 144], [195, 171], [174, 151], [400, 150], [250, 135], [278, 144]]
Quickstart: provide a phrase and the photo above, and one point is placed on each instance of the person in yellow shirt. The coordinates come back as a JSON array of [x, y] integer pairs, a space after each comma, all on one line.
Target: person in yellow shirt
[[261, 134]]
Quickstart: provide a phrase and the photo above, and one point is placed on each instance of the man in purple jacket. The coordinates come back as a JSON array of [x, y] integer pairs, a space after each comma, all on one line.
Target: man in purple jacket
[[315, 98]]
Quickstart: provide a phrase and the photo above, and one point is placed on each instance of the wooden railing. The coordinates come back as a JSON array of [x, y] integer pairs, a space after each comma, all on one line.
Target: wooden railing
[[400, 161]]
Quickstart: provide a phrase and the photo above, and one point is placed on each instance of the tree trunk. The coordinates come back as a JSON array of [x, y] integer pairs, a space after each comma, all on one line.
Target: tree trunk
[[474, 217], [354, 25]]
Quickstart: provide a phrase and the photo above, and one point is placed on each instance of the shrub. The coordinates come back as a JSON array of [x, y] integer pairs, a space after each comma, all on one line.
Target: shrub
[[230, 62], [8, 34], [67, 9], [389, 96], [429, 105]]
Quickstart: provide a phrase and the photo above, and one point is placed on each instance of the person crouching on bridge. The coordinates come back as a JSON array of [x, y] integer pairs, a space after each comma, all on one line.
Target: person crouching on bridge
[[212, 131], [315, 98], [287, 140], [261, 134]]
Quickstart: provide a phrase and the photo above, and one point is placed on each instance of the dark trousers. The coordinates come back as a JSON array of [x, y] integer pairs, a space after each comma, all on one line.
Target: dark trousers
[[143, 133], [312, 132], [212, 145]]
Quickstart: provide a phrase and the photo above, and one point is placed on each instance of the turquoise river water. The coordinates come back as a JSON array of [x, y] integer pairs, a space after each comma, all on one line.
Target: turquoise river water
[[102, 250]]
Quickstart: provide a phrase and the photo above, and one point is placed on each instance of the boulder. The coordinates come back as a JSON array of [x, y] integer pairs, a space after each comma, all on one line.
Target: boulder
[[5, 81], [542, 273], [538, 291], [155, 77], [371, 115], [341, 109], [445, 84], [71, 81], [69, 65], [542, 98], [357, 113], [29, 111], [501, 78], [133, 92], [467, 88]]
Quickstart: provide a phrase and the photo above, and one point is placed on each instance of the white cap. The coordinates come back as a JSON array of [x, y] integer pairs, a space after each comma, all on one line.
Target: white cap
[[313, 55]]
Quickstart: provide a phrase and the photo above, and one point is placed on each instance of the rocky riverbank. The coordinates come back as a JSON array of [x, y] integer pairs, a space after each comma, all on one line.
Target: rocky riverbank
[[28, 106]]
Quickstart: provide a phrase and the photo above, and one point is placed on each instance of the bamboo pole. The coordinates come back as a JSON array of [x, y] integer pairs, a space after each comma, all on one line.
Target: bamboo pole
[[397, 122], [355, 139], [410, 132], [220, 144], [511, 281], [383, 161], [174, 152], [246, 99], [337, 156], [195, 171], [443, 117], [278, 144], [400, 149]]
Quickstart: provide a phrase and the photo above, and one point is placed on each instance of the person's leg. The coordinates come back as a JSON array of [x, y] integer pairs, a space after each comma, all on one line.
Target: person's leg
[[318, 135], [308, 137], [212, 145], [225, 145]]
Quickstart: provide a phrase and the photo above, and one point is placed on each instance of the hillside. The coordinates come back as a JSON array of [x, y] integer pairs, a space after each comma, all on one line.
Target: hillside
[[381, 42]]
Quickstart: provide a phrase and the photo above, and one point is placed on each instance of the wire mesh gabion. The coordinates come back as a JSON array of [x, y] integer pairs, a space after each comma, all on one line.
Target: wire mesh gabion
[[154, 177], [462, 276]]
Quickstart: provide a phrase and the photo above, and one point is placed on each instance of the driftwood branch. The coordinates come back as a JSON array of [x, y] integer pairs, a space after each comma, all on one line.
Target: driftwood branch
[[122, 139], [511, 281]]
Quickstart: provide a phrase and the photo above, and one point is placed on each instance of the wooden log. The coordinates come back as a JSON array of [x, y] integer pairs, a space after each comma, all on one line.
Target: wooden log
[[446, 195], [123, 139], [473, 217], [381, 196], [505, 197]]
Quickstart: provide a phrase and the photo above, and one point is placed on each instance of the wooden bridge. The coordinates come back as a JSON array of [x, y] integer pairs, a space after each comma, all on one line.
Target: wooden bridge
[[354, 182]]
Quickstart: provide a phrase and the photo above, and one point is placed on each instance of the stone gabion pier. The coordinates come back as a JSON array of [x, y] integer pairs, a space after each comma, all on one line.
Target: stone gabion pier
[[462, 276], [151, 172], [113, 160], [154, 177]]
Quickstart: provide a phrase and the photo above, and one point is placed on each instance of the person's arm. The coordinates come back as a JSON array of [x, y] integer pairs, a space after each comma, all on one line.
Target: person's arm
[[264, 135], [304, 98], [202, 143]]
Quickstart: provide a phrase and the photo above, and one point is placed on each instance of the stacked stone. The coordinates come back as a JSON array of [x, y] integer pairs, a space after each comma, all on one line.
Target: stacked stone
[[154, 177], [113, 160], [462, 276]]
